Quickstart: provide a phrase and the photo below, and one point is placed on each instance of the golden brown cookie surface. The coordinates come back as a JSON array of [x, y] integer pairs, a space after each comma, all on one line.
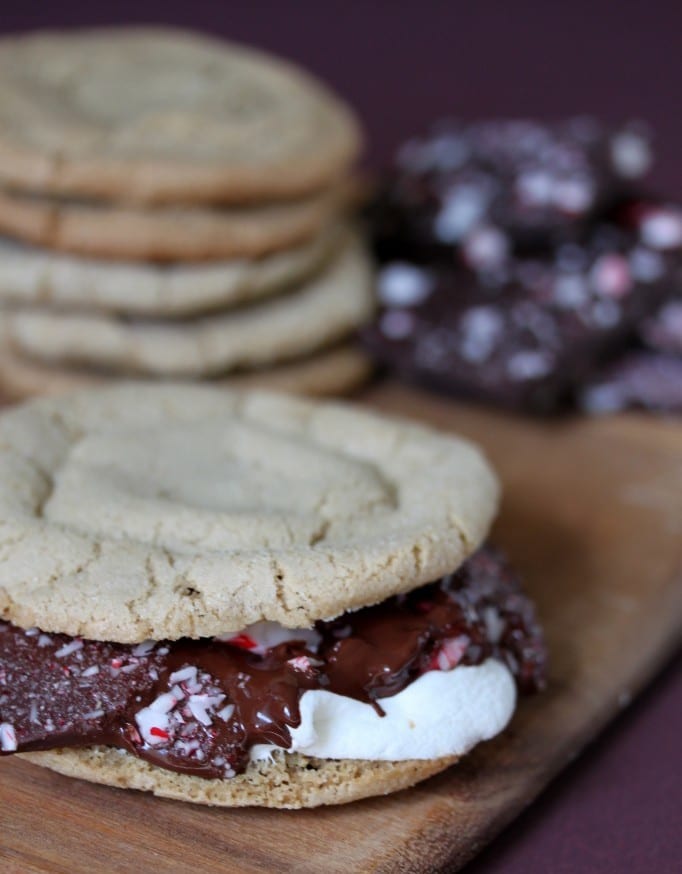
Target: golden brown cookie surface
[[34, 275], [290, 781], [327, 373], [323, 310], [158, 512], [176, 233], [161, 116]]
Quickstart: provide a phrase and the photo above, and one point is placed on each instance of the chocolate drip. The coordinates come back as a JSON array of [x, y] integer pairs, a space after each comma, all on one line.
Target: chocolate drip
[[199, 706]]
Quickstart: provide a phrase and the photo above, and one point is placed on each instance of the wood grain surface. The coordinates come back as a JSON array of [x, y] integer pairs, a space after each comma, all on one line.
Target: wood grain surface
[[592, 516]]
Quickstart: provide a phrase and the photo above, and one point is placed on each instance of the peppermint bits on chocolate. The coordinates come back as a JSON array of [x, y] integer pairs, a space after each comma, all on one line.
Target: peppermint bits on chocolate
[[8, 737], [518, 257]]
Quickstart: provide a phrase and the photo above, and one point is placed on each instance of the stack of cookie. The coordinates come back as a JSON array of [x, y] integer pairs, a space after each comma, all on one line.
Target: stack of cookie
[[174, 207], [521, 259]]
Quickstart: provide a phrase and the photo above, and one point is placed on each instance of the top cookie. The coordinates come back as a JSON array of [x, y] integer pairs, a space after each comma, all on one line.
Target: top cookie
[[157, 512], [161, 116]]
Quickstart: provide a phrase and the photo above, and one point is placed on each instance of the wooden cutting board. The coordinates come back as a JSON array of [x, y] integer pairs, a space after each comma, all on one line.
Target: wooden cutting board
[[592, 516]]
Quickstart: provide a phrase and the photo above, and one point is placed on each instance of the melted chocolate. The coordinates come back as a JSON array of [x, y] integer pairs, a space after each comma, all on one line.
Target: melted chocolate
[[199, 706]]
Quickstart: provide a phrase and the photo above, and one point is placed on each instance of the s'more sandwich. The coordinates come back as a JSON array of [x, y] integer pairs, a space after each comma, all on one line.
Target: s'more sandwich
[[240, 598]]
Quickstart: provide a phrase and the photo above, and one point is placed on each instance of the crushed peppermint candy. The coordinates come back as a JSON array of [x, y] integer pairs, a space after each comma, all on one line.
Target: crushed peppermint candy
[[176, 718], [153, 725], [463, 209], [529, 364], [610, 276], [166, 702], [226, 712], [481, 330], [485, 247], [450, 653], [144, 648], [645, 265], [93, 714], [662, 228], [188, 674], [68, 649], [8, 737], [400, 284], [243, 641], [631, 154], [535, 187]]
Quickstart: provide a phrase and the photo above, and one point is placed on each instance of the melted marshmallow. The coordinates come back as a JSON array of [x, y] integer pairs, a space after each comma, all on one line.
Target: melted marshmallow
[[442, 713]]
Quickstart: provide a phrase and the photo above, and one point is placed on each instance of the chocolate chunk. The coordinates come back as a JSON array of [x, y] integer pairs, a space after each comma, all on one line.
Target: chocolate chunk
[[520, 331], [536, 183], [519, 259]]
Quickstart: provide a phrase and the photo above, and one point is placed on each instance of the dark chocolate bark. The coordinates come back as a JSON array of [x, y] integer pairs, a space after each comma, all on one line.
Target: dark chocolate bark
[[648, 375], [535, 182], [526, 331]]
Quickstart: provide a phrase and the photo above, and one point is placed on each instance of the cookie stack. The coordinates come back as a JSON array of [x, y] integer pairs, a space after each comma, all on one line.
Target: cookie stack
[[521, 259], [174, 207]]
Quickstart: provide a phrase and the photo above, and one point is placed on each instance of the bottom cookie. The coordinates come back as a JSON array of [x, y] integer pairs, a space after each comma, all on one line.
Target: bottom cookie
[[287, 781], [332, 372]]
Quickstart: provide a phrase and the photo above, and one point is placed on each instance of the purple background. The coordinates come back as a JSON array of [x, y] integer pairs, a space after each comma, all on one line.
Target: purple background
[[403, 64]]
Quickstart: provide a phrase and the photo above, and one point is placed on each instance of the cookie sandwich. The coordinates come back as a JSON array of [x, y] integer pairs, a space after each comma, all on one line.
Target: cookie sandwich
[[249, 599]]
